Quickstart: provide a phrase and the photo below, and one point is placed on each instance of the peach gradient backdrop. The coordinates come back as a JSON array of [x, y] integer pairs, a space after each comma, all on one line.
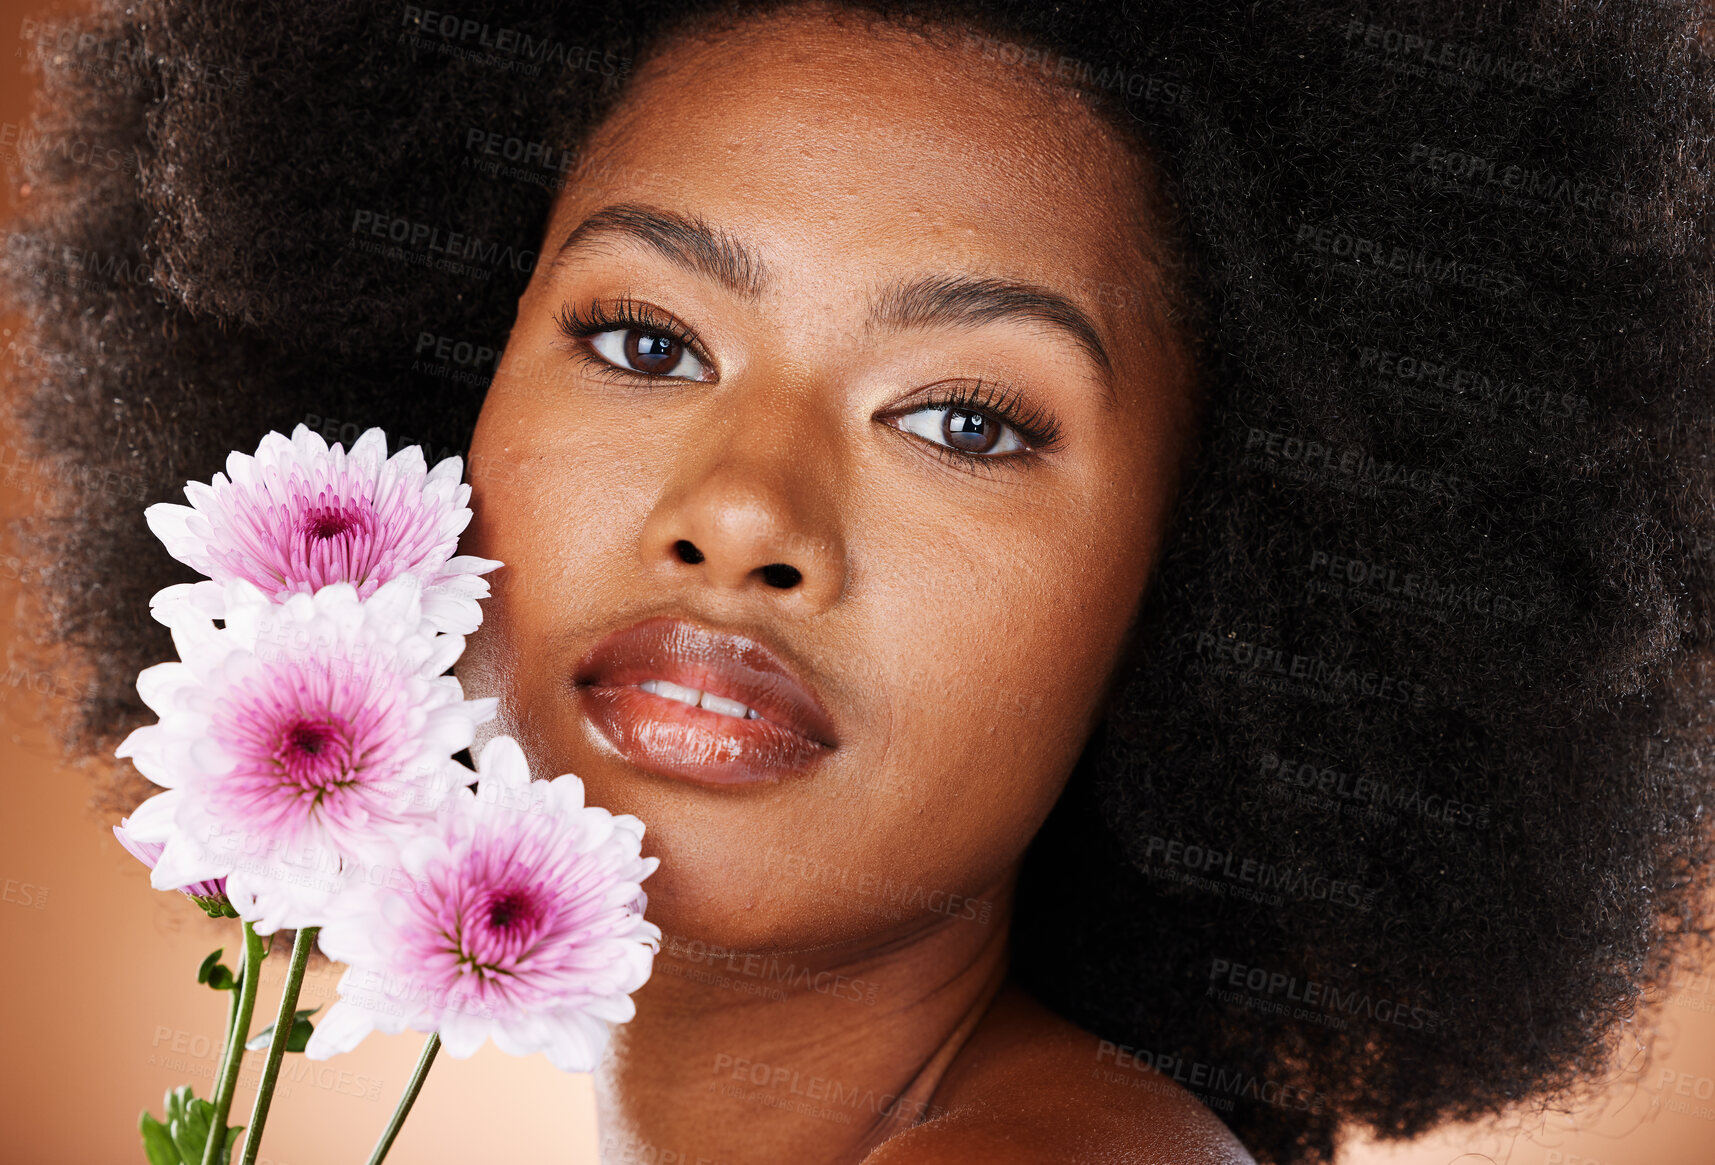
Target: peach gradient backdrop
[[99, 1013]]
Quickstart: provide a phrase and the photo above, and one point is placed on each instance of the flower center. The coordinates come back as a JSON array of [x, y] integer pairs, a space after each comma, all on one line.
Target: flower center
[[324, 522], [514, 911], [314, 754], [502, 930]]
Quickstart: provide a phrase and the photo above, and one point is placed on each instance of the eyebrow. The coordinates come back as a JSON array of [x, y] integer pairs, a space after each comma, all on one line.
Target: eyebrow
[[924, 301], [973, 300], [684, 239]]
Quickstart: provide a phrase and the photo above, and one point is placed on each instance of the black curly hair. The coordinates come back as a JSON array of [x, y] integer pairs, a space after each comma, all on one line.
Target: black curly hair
[[1403, 799]]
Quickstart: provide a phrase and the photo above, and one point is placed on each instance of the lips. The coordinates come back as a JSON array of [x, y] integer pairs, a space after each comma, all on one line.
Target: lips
[[718, 709]]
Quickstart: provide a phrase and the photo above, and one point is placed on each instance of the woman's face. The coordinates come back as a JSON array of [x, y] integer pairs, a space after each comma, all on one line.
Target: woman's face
[[880, 461]]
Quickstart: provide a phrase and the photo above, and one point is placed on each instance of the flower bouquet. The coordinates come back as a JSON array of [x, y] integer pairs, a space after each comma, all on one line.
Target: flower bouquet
[[308, 745]]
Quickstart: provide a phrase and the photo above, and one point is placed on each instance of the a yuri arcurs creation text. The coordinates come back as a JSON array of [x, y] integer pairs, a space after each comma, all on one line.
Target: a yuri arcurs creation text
[[308, 747]]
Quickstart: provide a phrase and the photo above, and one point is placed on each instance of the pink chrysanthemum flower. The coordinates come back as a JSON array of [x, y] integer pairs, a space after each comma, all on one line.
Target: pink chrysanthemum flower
[[294, 737], [298, 516], [518, 916], [210, 895]]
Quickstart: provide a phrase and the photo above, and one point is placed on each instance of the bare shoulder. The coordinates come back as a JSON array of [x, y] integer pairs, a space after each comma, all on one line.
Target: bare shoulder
[[1029, 1088]]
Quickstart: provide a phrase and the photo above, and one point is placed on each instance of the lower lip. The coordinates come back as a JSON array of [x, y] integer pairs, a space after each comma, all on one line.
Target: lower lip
[[679, 740]]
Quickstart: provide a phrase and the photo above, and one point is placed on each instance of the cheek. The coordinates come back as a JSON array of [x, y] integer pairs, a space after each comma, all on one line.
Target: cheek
[[1000, 644], [561, 507], [557, 490]]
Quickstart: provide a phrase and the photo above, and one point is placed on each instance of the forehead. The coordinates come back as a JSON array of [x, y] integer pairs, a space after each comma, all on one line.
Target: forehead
[[815, 137]]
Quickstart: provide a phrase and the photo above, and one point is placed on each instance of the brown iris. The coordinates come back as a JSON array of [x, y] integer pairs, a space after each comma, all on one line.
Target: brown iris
[[970, 432], [648, 352]]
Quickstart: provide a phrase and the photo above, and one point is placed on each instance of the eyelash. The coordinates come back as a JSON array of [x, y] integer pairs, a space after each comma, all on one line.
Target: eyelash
[[1038, 426], [627, 315]]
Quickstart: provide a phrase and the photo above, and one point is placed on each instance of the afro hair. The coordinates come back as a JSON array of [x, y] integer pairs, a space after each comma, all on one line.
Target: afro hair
[[1401, 799]]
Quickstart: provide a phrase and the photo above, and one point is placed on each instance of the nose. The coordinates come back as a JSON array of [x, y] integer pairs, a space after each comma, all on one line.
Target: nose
[[753, 513]]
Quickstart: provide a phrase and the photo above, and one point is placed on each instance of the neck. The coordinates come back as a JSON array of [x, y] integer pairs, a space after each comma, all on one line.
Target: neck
[[754, 1058]]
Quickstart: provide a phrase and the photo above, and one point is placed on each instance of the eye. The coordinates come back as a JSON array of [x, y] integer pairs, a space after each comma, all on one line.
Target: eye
[[964, 430], [634, 337], [980, 422], [650, 353]]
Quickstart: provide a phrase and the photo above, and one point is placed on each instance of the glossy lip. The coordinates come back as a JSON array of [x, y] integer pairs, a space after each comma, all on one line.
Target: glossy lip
[[664, 736]]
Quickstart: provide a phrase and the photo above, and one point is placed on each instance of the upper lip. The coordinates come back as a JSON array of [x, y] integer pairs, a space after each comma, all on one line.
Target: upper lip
[[734, 666]]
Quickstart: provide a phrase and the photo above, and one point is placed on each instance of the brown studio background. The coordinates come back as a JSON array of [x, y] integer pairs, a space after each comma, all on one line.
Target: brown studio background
[[100, 1012]]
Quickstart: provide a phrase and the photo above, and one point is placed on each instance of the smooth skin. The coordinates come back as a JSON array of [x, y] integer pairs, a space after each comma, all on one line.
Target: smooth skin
[[959, 618]]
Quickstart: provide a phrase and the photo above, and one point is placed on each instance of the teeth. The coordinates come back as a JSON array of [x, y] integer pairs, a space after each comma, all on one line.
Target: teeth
[[699, 699], [724, 706], [672, 691]]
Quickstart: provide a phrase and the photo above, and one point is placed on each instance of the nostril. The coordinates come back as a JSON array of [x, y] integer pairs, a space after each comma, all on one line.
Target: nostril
[[687, 552], [778, 574]]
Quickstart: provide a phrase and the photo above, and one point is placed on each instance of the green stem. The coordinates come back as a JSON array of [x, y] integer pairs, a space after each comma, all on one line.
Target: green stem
[[403, 1109], [277, 1045], [235, 995], [237, 1031]]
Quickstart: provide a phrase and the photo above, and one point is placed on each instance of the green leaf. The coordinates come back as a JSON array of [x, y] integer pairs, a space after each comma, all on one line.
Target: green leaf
[[232, 1132], [176, 1100], [302, 1030], [296, 1042], [216, 974], [215, 907], [158, 1144], [190, 1130]]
